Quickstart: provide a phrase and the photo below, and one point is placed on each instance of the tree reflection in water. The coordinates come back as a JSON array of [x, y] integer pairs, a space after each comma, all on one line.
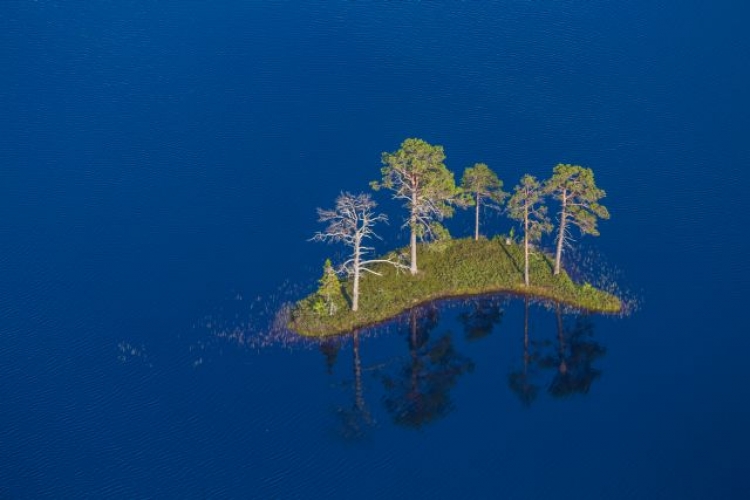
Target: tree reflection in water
[[356, 419], [481, 318], [418, 387], [573, 358], [330, 350], [576, 353], [520, 381], [420, 392]]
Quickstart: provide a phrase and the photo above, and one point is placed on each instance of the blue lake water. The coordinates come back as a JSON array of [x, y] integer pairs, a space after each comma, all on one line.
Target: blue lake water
[[160, 163]]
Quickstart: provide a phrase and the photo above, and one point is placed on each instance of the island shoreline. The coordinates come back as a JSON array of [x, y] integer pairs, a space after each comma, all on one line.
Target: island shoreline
[[464, 269], [464, 296]]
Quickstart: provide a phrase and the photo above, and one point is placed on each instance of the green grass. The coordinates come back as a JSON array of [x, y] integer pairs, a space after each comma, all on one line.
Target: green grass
[[456, 268]]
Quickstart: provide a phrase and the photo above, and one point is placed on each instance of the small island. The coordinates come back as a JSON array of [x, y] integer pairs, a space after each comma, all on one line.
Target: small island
[[435, 266]]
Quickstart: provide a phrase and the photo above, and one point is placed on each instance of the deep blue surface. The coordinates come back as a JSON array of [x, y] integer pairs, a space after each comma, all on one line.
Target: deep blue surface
[[160, 163]]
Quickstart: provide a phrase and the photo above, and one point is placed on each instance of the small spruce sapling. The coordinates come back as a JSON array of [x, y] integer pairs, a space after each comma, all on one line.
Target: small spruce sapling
[[351, 222], [329, 295]]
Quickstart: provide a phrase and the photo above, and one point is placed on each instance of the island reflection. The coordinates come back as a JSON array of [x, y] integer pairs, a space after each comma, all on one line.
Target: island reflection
[[570, 356], [557, 356], [355, 419], [418, 393], [481, 316], [576, 353]]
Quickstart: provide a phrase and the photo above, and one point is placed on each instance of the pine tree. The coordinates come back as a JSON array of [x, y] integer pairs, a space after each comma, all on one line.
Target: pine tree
[[416, 173], [526, 206], [574, 187], [329, 294], [482, 188]]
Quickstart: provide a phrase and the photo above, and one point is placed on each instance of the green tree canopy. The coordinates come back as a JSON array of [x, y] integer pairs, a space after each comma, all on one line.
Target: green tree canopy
[[416, 173], [482, 188], [329, 295], [526, 206], [574, 187]]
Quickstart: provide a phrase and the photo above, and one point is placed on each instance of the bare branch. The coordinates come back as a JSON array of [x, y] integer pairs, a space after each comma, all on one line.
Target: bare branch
[[351, 222]]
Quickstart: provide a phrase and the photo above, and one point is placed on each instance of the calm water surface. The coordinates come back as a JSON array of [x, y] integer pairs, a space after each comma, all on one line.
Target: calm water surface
[[160, 163]]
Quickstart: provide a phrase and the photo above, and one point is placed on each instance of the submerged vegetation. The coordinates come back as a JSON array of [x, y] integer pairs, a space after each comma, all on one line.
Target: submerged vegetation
[[376, 290]]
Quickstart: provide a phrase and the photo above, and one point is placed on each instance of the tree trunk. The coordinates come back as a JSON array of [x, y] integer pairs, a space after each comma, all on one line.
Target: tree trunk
[[476, 220], [563, 367], [359, 400], [561, 234], [355, 286], [525, 335], [414, 375], [526, 245], [413, 227]]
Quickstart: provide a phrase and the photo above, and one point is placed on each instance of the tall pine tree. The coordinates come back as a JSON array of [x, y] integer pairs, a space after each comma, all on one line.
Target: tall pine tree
[[482, 189], [416, 173], [574, 187], [527, 206]]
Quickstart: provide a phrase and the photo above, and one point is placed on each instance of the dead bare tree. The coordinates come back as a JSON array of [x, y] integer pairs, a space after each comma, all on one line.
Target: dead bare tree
[[351, 222]]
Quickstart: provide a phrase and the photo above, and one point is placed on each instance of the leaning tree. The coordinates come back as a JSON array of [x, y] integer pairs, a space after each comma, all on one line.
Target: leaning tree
[[574, 187], [526, 206], [416, 173], [351, 222], [482, 189]]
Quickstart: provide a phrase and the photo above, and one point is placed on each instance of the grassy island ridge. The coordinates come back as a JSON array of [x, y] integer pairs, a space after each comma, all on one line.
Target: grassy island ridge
[[377, 290], [452, 268]]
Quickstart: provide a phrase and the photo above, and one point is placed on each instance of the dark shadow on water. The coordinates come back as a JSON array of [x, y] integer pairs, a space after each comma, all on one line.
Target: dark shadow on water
[[419, 392], [330, 350], [558, 357], [576, 353], [356, 420], [481, 317], [521, 381]]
